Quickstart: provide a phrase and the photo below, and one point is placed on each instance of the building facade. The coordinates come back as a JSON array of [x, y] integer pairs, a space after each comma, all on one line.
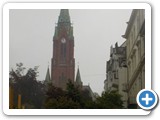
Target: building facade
[[116, 72], [135, 41], [63, 62]]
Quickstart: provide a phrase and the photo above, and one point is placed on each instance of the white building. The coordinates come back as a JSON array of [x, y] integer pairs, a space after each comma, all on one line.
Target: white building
[[135, 41], [116, 77]]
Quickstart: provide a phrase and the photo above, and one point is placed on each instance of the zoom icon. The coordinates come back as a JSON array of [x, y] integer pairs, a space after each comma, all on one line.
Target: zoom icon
[[147, 99]]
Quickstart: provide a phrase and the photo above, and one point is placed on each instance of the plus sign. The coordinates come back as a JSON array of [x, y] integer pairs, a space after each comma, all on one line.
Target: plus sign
[[147, 99]]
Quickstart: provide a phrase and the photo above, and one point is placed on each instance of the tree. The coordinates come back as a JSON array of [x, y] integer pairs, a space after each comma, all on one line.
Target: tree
[[54, 92], [73, 92], [71, 98], [61, 103], [87, 102], [26, 84], [56, 98], [110, 100]]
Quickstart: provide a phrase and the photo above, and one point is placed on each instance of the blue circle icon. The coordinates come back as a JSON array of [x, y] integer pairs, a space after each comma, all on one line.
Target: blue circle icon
[[147, 99]]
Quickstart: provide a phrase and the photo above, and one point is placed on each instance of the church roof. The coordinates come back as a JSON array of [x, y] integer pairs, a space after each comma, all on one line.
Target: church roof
[[64, 16], [78, 78], [88, 88], [47, 79]]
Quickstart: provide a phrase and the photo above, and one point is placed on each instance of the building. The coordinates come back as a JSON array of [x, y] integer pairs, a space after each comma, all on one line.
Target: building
[[48, 78], [78, 81], [63, 62], [86, 89], [135, 42], [116, 72]]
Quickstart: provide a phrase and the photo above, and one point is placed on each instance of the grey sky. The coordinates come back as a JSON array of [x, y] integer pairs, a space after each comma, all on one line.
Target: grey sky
[[31, 33]]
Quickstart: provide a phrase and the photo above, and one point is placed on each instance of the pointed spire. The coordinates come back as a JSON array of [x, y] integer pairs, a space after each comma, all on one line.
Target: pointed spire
[[64, 16], [78, 78], [47, 79]]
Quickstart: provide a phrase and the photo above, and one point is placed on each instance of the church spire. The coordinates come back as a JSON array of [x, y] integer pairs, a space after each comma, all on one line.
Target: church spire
[[78, 78], [47, 79], [64, 16], [63, 62]]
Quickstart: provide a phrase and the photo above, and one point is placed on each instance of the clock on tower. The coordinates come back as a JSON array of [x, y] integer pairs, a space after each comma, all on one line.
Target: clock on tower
[[63, 40], [63, 62]]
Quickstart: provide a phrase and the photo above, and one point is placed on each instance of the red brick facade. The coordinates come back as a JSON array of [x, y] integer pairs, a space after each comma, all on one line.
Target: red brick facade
[[63, 63]]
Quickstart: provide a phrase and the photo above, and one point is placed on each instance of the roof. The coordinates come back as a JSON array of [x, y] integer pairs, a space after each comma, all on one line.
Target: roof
[[78, 78], [47, 79], [87, 88], [64, 16]]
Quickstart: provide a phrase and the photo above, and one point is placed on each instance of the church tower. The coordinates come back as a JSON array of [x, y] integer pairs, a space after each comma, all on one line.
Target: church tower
[[63, 63]]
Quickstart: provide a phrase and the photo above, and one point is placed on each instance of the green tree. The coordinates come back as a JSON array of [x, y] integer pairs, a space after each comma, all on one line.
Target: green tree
[[73, 92], [110, 100], [31, 90], [56, 98], [87, 102], [54, 92], [72, 98], [61, 103]]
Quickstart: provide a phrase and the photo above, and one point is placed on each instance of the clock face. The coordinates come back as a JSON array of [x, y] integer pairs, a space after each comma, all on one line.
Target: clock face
[[63, 40]]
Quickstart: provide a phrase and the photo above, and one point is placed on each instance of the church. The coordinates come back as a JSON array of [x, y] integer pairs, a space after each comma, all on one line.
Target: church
[[63, 61]]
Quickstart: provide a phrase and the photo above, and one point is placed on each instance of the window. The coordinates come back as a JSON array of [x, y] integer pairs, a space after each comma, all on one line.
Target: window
[[63, 52], [116, 75]]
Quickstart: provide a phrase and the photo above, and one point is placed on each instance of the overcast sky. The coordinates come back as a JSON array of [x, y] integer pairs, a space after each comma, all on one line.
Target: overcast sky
[[31, 35]]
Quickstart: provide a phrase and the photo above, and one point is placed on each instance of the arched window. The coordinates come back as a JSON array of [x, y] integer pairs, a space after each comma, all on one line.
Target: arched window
[[63, 52]]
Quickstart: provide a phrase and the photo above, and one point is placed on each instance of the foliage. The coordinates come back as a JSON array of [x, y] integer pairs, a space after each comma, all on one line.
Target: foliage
[[57, 98], [87, 102], [61, 103], [72, 98], [73, 92], [54, 92], [31, 90], [37, 95], [110, 100]]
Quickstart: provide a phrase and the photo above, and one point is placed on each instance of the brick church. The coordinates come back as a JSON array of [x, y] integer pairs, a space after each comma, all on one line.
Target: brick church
[[63, 62]]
